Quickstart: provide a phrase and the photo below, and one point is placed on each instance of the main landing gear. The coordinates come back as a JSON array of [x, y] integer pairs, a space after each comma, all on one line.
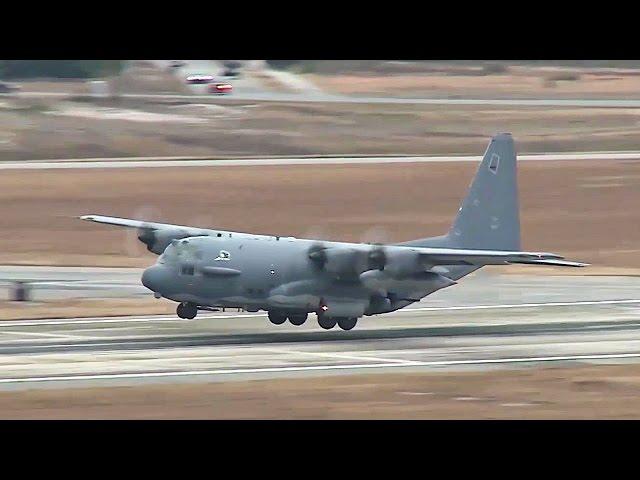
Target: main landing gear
[[187, 310], [278, 318], [298, 319], [345, 323]]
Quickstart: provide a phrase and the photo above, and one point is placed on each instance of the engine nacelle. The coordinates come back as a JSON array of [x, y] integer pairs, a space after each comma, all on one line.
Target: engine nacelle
[[340, 260], [402, 263], [158, 240], [382, 282]]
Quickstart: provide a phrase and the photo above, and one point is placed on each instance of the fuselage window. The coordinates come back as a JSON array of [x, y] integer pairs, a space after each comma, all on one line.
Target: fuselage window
[[494, 163]]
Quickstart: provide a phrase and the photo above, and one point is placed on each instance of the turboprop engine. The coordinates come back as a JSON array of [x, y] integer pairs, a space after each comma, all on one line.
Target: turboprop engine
[[420, 281], [396, 262], [158, 240]]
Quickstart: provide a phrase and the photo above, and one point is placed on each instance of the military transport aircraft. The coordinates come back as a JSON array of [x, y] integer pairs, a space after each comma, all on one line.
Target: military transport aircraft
[[205, 269]]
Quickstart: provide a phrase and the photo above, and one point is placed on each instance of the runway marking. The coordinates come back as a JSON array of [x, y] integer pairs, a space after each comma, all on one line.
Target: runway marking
[[167, 318], [158, 162], [92, 320], [53, 335], [336, 355], [520, 305], [240, 371]]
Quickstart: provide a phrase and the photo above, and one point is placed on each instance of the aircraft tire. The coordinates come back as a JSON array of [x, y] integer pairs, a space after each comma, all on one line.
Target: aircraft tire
[[277, 318], [180, 310], [190, 311], [347, 323], [326, 322], [298, 319]]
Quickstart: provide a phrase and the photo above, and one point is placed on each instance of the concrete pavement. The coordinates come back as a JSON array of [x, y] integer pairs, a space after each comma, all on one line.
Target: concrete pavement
[[164, 162], [488, 321]]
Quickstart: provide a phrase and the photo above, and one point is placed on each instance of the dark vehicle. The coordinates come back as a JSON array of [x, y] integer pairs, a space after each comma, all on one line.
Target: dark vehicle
[[229, 73], [200, 79], [232, 69], [176, 64], [220, 88]]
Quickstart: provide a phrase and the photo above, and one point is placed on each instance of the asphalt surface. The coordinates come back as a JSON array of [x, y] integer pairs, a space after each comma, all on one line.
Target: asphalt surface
[[263, 96], [51, 283], [156, 162], [487, 321]]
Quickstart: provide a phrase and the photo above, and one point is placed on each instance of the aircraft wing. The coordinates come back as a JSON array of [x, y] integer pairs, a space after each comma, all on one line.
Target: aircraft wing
[[126, 222], [454, 256], [156, 236]]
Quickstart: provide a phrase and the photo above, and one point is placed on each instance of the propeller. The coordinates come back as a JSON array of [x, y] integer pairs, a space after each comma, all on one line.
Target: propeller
[[145, 234], [318, 255], [377, 257], [376, 235], [316, 232]]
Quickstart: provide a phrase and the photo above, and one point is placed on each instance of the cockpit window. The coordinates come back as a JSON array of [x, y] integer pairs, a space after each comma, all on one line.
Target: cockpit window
[[182, 252]]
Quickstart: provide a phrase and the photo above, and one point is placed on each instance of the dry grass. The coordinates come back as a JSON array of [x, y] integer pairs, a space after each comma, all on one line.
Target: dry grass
[[517, 81], [584, 210], [587, 392], [30, 132]]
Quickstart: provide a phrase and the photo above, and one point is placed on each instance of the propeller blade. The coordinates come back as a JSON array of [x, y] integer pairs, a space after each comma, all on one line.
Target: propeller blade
[[318, 254]]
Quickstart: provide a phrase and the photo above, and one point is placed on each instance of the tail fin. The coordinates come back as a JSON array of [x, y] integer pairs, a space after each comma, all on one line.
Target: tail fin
[[489, 217]]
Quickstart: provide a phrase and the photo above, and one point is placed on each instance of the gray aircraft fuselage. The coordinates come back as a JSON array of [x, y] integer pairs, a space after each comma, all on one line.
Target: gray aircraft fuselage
[[258, 272]]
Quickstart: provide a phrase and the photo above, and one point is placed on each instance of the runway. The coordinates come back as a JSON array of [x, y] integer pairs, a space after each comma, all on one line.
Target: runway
[[491, 321], [163, 162], [164, 349]]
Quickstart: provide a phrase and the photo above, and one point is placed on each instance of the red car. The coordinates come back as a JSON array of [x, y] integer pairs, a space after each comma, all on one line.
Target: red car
[[220, 88]]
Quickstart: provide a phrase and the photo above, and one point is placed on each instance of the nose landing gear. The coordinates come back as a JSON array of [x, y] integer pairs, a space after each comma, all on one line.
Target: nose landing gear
[[187, 310]]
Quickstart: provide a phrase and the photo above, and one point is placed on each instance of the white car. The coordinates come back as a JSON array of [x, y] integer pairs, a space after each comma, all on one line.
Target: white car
[[200, 79]]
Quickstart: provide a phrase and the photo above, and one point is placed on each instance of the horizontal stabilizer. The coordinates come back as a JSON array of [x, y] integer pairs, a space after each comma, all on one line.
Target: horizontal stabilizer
[[461, 256], [553, 263]]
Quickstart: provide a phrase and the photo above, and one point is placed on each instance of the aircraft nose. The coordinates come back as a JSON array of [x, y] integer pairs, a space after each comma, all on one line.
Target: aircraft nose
[[152, 278]]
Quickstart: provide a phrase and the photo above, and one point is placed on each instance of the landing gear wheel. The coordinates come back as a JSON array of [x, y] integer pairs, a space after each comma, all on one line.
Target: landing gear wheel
[[298, 319], [277, 318], [347, 323], [326, 322], [187, 310]]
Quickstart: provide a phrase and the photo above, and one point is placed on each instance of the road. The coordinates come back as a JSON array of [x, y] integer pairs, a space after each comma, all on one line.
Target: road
[[263, 96], [160, 162], [489, 321]]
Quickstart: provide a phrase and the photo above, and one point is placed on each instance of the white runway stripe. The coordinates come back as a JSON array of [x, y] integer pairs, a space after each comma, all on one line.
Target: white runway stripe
[[332, 160], [240, 371], [521, 305]]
